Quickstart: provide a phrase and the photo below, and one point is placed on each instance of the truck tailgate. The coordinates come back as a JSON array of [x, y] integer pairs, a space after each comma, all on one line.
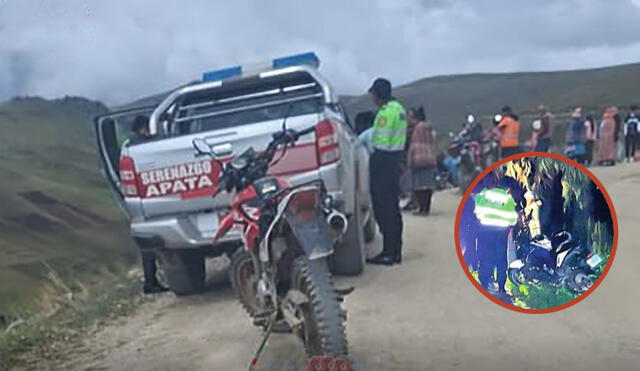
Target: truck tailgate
[[171, 179]]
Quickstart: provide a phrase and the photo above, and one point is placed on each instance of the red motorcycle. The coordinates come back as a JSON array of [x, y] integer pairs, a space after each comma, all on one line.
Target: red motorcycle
[[281, 275], [470, 153]]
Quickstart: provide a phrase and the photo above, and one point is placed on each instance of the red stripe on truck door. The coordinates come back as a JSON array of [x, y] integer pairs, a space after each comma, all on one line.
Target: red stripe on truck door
[[172, 180]]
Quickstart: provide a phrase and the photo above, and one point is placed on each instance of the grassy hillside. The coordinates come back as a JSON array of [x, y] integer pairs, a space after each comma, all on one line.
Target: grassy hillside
[[447, 99], [57, 218]]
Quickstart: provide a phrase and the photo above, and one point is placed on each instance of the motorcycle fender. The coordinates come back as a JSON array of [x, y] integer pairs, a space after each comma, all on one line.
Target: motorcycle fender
[[313, 235]]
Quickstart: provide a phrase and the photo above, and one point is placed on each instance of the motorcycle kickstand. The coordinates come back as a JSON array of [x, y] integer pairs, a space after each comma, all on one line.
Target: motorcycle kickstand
[[263, 343], [344, 292]]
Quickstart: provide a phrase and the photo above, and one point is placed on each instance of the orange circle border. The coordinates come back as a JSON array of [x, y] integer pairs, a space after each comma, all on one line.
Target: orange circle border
[[554, 156]]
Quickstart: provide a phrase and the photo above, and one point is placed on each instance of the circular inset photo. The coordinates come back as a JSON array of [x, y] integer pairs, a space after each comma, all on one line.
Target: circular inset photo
[[536, 232]]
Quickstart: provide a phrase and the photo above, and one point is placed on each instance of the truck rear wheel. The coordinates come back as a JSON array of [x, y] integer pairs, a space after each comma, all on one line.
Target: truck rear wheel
[[184, 270], [349, 257]]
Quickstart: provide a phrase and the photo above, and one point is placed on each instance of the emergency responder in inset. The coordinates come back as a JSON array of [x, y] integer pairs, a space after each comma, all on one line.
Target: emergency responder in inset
[[389, 138], [509, 132], [497, 207], [140, 133]]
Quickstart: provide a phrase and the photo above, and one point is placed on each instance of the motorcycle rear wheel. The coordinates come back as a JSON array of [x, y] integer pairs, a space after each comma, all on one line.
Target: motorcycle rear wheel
[[323, 329]]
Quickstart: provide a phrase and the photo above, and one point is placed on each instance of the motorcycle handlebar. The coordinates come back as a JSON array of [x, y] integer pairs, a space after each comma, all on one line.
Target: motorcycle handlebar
[[261, 162], [306, 131], [289, 135]]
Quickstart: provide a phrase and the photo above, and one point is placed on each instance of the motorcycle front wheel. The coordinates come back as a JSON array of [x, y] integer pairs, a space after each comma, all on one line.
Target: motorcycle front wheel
[[579, 282], [323, 329], [244, 282]]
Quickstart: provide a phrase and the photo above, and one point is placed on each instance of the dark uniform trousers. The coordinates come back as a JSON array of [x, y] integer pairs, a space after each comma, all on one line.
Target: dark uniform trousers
[[148, 257], [385, 169], [492, 255]]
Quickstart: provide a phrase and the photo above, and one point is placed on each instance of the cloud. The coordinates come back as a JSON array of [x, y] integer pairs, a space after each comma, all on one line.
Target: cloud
[[119, 51]]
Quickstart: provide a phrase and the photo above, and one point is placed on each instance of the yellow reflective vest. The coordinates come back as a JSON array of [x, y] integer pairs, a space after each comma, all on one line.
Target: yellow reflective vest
[[390, 127]]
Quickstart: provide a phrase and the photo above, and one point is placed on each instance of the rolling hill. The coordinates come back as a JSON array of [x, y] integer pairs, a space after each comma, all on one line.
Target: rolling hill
[[447, 99], [56, 215]]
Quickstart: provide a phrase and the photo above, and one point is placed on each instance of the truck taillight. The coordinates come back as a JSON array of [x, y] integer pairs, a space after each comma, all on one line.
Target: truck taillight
[[327, 144], [128, 178]]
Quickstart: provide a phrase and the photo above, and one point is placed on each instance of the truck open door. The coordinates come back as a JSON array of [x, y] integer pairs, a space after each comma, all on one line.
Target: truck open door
[[112, 131]]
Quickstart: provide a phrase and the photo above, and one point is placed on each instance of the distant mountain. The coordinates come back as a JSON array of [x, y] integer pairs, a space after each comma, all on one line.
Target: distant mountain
[[70, 103], [447, 99]]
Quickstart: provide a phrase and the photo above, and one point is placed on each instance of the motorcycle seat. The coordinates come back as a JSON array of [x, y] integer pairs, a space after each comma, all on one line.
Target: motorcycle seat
[[542, 241], [561, 242]]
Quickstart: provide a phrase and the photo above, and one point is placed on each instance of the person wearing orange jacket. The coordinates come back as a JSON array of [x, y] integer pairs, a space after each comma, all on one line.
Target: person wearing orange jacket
[[509, 132]]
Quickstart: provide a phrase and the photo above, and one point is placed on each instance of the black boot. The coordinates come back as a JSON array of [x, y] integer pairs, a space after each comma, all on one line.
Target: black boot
[[381, 259], [398, 257], [154, 288]]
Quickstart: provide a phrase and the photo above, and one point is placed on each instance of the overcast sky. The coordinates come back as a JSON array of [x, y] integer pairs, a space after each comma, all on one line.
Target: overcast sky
[[117, 51]]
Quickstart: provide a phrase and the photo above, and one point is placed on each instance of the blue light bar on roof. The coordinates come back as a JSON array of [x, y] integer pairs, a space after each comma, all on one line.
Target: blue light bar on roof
[[222, 74], [310, 59]]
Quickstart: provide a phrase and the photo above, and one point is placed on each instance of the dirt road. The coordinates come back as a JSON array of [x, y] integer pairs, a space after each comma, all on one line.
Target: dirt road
[[422, 315]]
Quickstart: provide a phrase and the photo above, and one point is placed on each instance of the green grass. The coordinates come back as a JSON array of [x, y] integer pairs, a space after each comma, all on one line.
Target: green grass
[[46, 337], [49, 147]]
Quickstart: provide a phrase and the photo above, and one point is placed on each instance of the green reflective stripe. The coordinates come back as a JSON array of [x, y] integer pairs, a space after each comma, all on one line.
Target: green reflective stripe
[[389, 144], [381, 139], [492, 222], [485, 219], [484, 210], [392, 132], [495, 207]]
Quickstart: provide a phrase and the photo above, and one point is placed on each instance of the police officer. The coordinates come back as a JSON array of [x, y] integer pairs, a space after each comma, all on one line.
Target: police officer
[[496, 208], [389, 138]]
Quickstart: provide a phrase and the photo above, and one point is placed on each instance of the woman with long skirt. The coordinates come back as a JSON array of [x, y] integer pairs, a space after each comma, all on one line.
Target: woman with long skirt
[[607, 139], [422, 160]]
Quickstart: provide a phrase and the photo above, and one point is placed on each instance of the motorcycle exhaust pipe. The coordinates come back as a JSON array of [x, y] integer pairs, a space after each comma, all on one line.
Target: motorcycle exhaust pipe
[[337, 221]]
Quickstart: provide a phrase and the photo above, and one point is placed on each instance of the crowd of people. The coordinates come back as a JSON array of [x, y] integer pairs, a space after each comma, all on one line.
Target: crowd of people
[[590, 141]]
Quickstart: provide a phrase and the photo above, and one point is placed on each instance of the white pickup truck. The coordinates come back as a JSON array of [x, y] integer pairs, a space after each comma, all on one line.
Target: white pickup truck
[[166, 191]]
